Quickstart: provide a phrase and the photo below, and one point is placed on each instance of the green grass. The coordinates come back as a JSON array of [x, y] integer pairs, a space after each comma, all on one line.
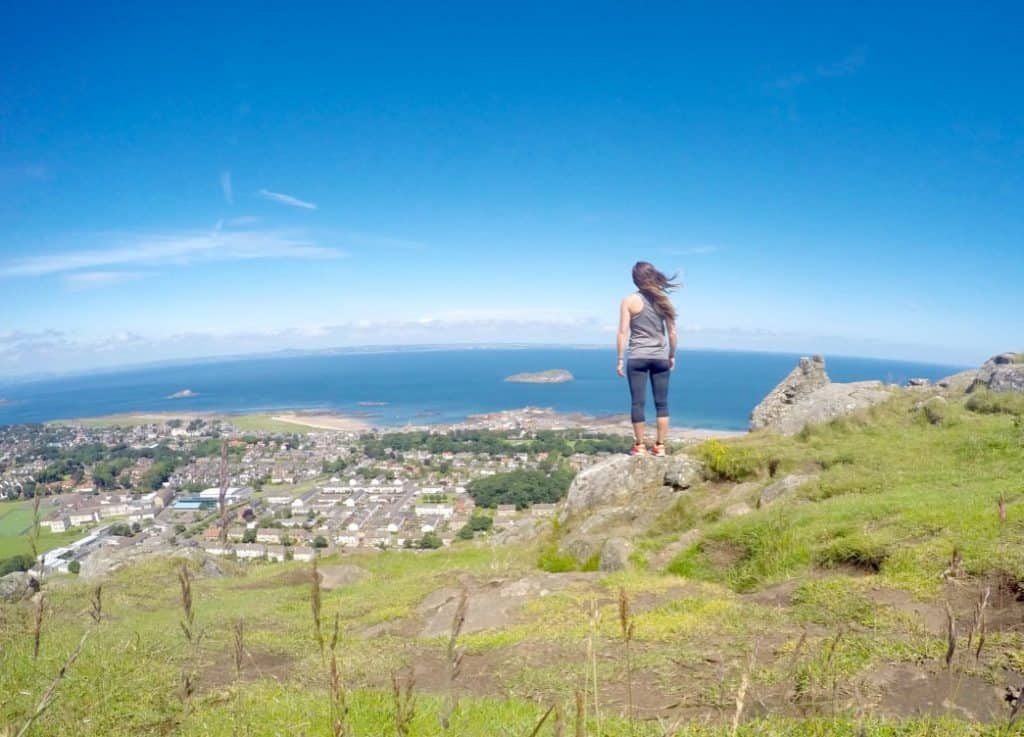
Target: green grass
[[15, 524], [894, 496], [266, 423]]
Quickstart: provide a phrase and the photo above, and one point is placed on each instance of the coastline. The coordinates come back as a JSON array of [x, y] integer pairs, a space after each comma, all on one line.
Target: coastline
[[530, 419]]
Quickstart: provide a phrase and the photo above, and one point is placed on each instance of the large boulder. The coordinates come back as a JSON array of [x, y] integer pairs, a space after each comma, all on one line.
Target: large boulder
[[615, 554], [1002, 373], [17, 586], [807, 396], [621, 497]]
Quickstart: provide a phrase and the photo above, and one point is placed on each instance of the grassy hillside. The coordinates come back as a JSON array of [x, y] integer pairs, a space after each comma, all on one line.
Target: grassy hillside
[[822, 614]]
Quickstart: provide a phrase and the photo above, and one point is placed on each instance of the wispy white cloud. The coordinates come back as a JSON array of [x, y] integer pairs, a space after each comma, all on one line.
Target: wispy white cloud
[[92, 279], [183, 248], [846, 66], [285, 199], [36, 172], [225, 187]]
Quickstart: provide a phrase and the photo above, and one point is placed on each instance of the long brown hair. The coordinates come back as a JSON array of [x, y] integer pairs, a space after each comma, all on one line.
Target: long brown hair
[[654, 285]]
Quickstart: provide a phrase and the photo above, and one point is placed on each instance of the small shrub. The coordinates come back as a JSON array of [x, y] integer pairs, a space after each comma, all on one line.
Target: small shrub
[[991, 403], [934, 412], [554, 561], [727, 463], [74, 567], [592, 563]]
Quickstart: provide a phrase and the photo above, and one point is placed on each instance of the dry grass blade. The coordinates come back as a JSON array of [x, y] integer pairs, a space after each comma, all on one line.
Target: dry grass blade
[[51, 692], [96, 610], [579, 724], [37, 624], [454, 659], [980, 622], [741, 694], [1001, 508], [315, 604], [339, 700], [536, 730], [950, 635], [595, 621], [238, 632], [404, 702], [188, 623], [626, 626]]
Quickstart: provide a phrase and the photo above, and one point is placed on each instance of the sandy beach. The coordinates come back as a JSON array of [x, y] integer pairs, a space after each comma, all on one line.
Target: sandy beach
[[324, 421]]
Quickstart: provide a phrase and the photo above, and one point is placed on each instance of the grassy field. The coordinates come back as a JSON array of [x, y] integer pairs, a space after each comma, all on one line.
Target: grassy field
[[822, 614], [15, 523], [244, 422]]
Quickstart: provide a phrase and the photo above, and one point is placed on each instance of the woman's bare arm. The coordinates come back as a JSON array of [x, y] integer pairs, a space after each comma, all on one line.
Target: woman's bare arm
[[623, 335], [673, 341]]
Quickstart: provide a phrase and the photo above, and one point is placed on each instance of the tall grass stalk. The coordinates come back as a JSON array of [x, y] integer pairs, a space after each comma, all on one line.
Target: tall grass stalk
[[626, 623], [339, 695], [316, 605], [402, 695], [594, 622], [453, 660], [51, 692]]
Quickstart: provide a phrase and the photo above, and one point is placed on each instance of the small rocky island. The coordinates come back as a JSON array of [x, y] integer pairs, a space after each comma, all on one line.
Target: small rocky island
[[183, 394], [3, 401], [551, 376]]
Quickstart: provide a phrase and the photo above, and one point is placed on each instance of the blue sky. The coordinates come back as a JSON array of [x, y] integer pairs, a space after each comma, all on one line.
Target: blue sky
[[182, 180]]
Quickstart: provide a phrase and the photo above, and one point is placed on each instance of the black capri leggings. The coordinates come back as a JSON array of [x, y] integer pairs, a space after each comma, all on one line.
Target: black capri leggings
[[637, 370]]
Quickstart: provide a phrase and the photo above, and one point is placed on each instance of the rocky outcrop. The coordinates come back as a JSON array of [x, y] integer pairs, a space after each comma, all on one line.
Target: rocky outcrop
[[781, 488], [959, 381], [1002, 373], [620, 497], [808, 396], [17, 586], [615, 554]]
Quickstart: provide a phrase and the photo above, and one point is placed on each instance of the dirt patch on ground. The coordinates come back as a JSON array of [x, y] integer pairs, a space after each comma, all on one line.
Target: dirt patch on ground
[[257, 665], [722, 554], [492, 604], [1004, 611], [904, 689]]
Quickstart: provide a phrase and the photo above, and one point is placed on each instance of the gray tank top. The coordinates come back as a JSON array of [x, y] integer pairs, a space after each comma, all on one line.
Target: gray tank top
[[647, 337]]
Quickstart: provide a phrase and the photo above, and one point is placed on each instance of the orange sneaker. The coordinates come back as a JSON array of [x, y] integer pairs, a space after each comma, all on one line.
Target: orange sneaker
[[658, 450], [638, 449]]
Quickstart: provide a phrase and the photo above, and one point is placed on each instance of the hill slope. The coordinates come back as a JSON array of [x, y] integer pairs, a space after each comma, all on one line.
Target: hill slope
[[801, 582]]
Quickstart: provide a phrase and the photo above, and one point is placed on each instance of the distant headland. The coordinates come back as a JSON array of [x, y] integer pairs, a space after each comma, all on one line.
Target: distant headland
[[551, 376], [183, 394]]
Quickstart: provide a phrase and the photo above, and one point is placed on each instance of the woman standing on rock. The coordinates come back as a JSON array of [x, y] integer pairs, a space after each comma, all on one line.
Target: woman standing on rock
[[647, 323]]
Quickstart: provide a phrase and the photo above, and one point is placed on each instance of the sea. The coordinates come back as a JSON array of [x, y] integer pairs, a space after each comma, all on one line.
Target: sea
[[709, 389]]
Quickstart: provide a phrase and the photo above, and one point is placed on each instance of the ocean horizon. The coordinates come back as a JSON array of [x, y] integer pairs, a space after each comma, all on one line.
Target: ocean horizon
[[710, 389]]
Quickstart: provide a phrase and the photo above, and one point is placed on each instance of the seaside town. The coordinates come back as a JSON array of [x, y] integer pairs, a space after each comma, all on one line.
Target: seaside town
[[102, 493]]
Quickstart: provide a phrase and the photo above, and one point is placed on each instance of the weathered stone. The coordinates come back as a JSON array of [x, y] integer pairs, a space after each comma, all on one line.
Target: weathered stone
[[616, 481], [806, 396], [959, 381], [782, 487], [737, 510], [17, 586], [615, 554], [917, 383], [620, 497], [1002, 373]]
